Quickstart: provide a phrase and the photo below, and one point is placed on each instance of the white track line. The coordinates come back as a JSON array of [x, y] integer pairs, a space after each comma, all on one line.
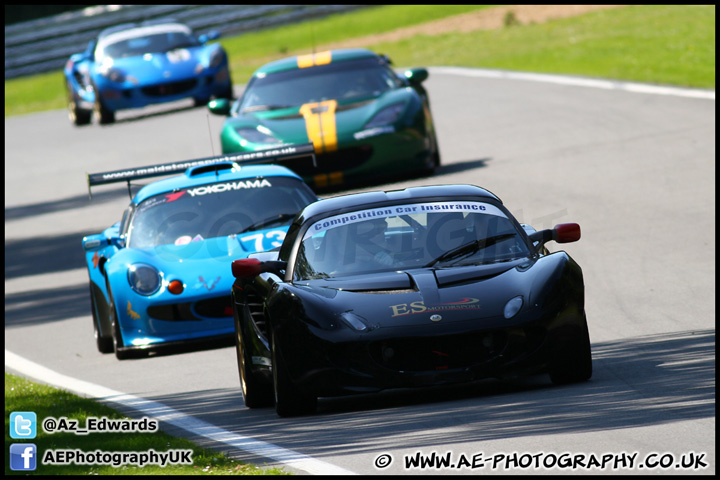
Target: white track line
[[174, 417], [577, 81]]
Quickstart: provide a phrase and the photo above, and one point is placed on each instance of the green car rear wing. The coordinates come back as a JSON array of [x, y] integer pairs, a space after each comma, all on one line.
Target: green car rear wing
[[275, 155]]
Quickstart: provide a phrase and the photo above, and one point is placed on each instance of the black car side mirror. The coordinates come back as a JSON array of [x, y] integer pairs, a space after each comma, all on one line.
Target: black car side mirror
[[251, 267], [562, 233]]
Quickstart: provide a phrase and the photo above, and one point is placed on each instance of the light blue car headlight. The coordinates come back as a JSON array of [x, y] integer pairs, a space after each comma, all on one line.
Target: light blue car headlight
[[512, 307], [386, 116], [144, 279], [257, 135]]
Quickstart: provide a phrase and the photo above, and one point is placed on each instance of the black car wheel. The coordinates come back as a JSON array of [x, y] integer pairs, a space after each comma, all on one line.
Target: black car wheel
[[256, 394], [289, 400], [104, 344], [571, 360], [77, 116]]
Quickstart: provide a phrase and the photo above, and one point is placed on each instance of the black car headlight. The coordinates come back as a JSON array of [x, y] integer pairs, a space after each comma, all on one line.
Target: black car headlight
[[260, 135], [144, 279], [356, 322], [513, 306], [386, 116]]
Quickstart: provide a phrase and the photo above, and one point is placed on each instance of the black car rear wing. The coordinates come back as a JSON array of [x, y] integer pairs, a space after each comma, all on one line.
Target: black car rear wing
[[275, 155]]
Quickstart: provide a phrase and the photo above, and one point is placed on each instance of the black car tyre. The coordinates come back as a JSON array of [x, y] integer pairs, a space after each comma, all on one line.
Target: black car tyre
[[77, 116], [255, 393], [289, 400], [102, 113], [104, 344], [571, 360]]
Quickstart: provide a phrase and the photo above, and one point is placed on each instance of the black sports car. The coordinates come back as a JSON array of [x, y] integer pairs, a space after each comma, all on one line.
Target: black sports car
[[417, 287]]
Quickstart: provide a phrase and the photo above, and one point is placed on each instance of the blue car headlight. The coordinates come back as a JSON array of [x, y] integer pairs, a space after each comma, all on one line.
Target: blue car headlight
[[259, 135], [386, 116], [512, 307], [216, 58], [114, 75], [144, 279]]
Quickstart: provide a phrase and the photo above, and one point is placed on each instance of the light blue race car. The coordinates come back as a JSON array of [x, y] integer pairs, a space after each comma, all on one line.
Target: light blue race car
[[132, 66], [162, 275]]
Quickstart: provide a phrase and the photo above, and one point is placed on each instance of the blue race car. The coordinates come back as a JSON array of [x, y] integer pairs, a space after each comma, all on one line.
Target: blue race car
[[132, 66], [161, 276]]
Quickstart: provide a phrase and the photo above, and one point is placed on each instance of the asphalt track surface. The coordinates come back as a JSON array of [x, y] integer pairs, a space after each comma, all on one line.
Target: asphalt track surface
[[635, 168]]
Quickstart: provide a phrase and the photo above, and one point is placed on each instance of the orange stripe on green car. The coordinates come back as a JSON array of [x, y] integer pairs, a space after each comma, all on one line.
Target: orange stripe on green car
[[322, 58], [320, 125]]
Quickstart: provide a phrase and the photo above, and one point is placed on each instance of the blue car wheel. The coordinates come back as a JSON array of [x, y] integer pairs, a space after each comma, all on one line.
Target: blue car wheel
[[117, 336], [102, 113], [104, 344], [77, 115]]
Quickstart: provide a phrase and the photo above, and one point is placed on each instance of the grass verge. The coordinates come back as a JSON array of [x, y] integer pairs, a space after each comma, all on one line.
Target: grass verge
[[24, 396]]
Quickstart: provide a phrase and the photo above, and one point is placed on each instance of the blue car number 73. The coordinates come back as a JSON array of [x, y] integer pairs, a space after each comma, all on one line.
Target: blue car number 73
[[263, 241]]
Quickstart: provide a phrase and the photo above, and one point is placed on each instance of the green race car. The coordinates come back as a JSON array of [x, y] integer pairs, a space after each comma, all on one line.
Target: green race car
[[364, 119]]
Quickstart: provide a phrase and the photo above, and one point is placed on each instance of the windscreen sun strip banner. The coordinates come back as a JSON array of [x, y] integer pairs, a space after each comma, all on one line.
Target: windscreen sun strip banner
[[402, 209], [261, 156]]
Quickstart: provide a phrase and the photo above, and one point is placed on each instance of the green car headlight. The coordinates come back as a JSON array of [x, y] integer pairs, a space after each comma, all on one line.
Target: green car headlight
[[257, 135], [386, 116], [144, 279]]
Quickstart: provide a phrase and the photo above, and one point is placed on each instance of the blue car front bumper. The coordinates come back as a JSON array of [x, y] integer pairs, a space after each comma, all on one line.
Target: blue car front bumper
[[211, 83]]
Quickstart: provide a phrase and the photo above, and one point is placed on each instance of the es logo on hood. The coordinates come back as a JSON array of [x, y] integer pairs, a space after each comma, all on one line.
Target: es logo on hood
[[420, 307]]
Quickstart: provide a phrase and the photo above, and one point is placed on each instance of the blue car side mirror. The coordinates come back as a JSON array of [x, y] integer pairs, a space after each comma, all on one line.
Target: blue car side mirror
[[92, 243], [207, 37]]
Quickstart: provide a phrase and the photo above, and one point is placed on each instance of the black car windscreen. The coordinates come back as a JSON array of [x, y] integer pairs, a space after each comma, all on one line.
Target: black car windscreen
[[408, 236]]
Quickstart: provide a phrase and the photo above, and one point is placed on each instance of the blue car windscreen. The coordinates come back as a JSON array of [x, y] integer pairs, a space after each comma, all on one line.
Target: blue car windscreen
[[217, 209]]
